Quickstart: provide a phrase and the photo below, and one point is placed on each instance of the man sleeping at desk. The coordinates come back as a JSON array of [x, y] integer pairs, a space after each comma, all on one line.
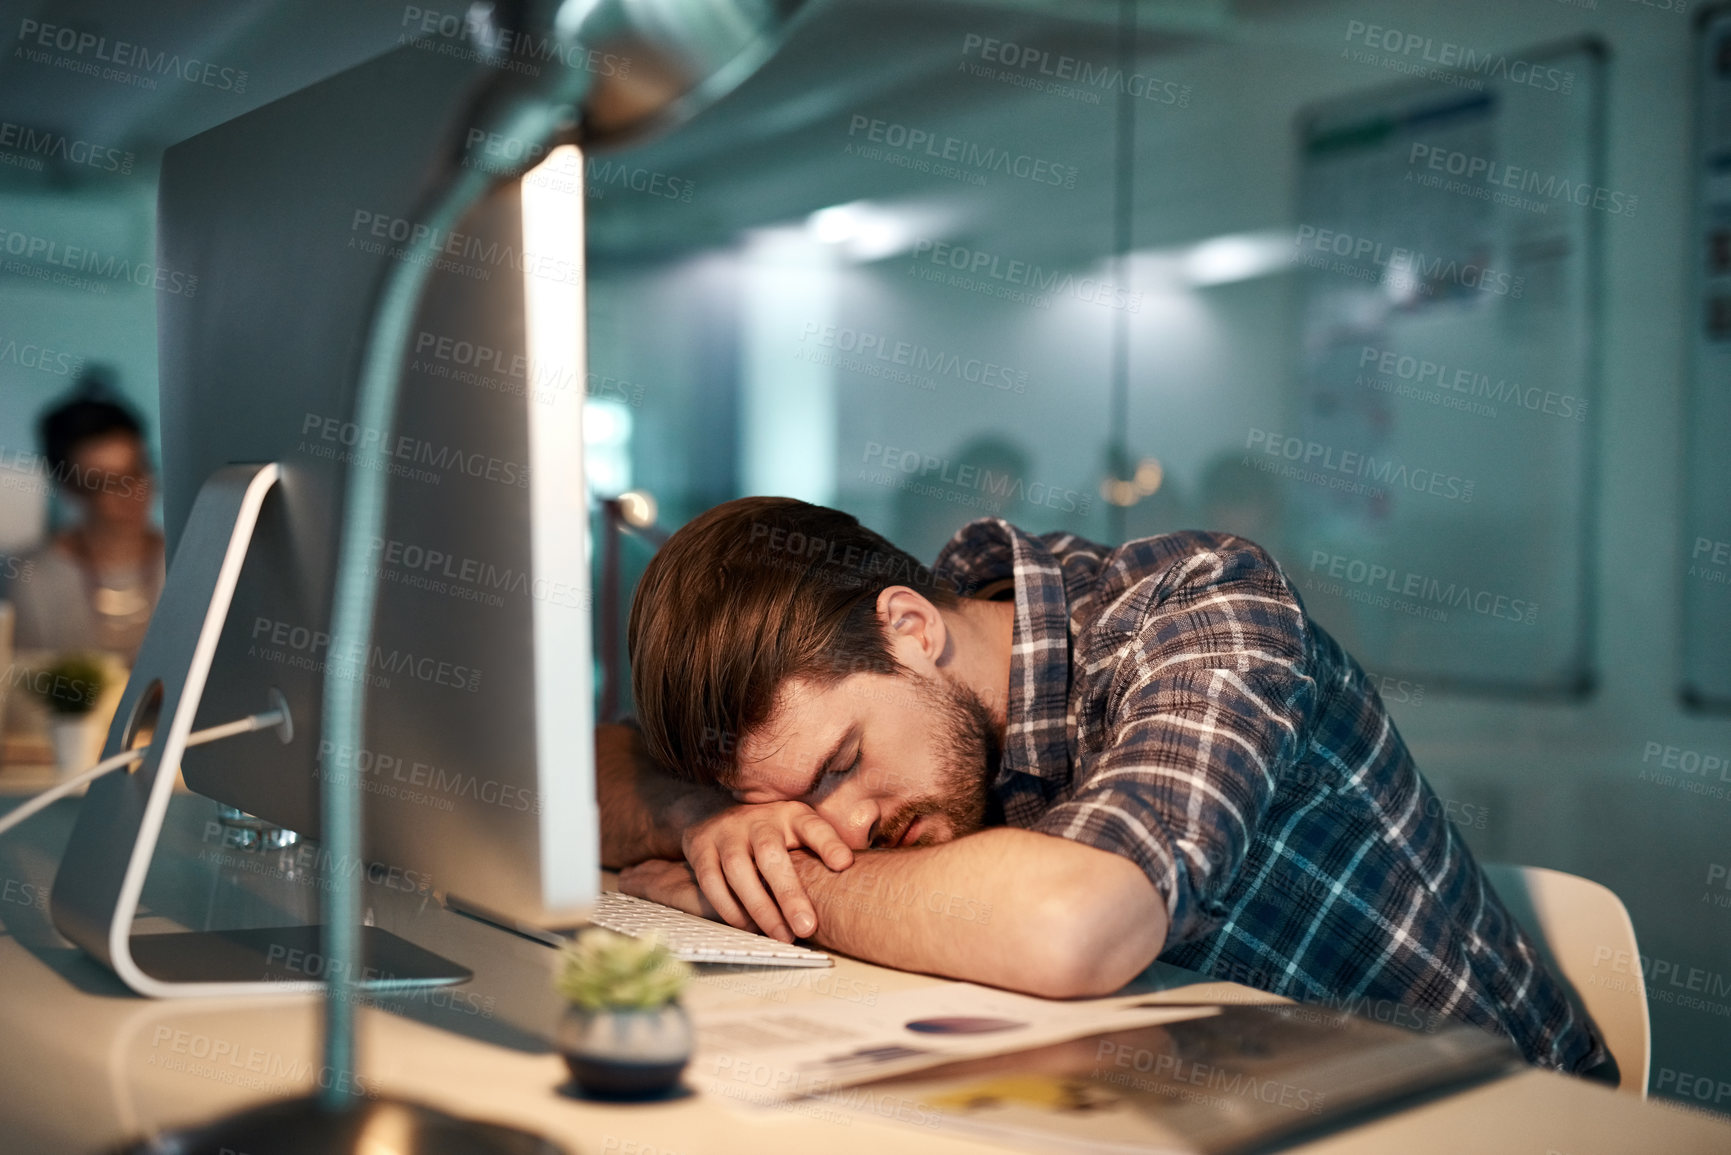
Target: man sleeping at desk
[[1041, 764]]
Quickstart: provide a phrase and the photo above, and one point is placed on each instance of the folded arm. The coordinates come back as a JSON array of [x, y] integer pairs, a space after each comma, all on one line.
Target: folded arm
[[644, 809], [1009, 908]]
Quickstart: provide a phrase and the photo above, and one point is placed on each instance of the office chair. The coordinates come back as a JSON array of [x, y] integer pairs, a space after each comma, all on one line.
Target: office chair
[[1583, 931]]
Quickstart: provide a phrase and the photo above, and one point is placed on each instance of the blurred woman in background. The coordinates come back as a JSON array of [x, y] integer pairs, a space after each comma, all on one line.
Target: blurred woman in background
[[93, 584]]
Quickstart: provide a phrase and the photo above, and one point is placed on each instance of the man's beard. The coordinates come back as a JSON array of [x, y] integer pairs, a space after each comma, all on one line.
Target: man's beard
[[969, 754]]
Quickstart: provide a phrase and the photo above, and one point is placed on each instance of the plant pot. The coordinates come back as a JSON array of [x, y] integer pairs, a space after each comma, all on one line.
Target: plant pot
[[625, 1053], [77, 743]]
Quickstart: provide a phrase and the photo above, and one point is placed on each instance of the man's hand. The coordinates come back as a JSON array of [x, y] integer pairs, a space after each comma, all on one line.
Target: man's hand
[[668, 882], [734, 853]]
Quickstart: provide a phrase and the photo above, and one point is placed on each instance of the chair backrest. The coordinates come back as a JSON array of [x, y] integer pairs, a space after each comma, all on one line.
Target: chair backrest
[[1579, 926]]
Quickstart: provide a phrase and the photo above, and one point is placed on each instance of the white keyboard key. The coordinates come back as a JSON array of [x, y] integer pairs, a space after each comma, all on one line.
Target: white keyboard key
[[697, 939]]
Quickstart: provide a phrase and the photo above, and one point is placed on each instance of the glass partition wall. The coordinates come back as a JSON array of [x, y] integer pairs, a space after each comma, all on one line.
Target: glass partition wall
[[1123, 268]]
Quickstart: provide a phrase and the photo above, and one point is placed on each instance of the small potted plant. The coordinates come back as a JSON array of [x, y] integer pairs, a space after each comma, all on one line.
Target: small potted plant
[[70, 689], [624, 1034]]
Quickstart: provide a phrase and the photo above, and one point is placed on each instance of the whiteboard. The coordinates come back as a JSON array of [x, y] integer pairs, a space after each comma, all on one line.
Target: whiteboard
[[1438, 461]]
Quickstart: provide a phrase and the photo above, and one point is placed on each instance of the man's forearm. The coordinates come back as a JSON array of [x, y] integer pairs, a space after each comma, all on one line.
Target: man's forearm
[[644, 809], [1006, 907]]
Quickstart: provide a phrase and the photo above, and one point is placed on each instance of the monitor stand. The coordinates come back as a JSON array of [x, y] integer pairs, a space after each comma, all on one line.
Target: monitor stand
[[102, 871]]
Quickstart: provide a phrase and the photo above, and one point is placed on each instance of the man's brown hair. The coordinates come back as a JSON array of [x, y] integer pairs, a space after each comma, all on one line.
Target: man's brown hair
[[744, 597]]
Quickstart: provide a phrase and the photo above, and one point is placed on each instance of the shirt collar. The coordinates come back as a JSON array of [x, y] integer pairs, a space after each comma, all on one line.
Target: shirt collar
[[989, 550]]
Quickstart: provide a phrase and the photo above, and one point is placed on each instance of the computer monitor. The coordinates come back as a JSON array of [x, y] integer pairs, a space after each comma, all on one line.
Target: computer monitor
[[477, 762], [278, 228], [279, 233]]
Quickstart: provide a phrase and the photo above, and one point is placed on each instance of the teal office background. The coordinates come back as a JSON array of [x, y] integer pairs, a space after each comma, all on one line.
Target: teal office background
[[797, 294]]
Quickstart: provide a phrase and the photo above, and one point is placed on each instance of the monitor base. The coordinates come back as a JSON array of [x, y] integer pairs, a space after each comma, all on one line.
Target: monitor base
[[102, 872], [289, 957], [296, 1126]]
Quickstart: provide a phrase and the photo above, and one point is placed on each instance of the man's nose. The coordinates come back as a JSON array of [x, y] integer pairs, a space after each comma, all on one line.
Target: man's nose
[[854, 816]]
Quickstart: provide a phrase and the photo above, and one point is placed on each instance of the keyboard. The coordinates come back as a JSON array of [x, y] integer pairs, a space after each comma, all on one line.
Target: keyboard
[[697, 939]]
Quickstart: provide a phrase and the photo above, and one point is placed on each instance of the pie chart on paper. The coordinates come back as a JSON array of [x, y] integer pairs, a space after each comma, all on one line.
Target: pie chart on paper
[[963, 1025]]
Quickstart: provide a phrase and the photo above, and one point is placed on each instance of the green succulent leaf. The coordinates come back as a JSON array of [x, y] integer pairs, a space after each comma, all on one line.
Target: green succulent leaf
[[607, 971]]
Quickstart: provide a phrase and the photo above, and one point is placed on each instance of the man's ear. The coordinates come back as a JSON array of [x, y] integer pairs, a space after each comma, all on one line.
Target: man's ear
[[914, 626]]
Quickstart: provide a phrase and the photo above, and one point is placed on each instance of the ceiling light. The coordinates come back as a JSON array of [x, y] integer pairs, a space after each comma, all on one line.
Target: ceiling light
[[1236, 257], [861, 230]]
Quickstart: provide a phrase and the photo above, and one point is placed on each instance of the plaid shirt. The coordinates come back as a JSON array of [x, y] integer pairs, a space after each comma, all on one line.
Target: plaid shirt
[[1171, 702]]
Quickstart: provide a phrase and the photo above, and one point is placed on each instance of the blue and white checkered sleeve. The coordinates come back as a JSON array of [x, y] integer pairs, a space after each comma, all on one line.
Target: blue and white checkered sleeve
[[1208, 705]]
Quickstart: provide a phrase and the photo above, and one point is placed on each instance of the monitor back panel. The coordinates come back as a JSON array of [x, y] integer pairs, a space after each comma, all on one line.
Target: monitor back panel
[[288, 217]]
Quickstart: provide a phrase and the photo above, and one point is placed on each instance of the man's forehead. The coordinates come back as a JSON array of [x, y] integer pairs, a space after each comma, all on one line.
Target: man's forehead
[[802, 728]]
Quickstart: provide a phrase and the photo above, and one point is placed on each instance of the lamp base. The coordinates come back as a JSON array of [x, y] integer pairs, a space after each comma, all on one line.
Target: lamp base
[[298, 1126]]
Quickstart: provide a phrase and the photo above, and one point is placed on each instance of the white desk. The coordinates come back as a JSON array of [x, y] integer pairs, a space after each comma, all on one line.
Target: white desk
[[83, 1063]]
